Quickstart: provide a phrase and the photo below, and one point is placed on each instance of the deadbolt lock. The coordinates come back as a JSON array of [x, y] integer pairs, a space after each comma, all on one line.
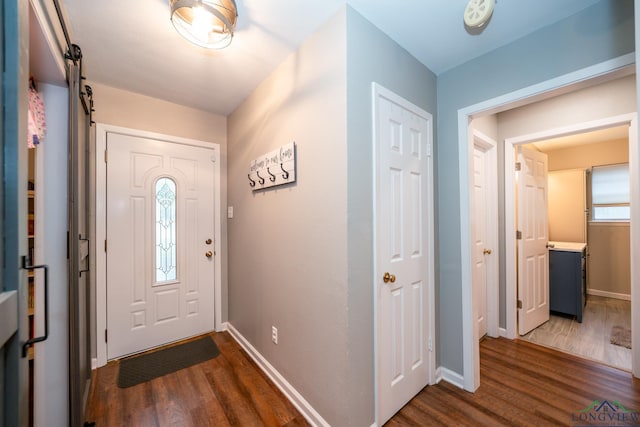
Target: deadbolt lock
[[208, 241], [388, 278]]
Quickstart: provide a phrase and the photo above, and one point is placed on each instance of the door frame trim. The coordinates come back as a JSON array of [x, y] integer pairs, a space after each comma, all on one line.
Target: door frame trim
[[101, 226], [490, 147], [510, 145], [376, 91], [623, 65]]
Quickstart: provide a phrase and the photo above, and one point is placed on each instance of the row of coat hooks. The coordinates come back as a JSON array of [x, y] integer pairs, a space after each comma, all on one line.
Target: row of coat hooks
[[272, 169]]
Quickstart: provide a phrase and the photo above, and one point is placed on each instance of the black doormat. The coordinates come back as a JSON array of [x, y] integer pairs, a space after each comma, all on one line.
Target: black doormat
[[145, 367]]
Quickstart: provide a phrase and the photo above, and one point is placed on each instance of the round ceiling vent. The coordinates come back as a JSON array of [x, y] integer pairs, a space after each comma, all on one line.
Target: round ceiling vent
[[478, 12]]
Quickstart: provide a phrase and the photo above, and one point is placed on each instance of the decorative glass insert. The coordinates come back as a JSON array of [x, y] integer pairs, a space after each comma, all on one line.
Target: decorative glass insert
[[165, 230]]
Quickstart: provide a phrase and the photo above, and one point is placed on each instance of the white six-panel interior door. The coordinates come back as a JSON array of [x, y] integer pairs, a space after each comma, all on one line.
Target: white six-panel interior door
[[404, 251], [533, 254], [160, 242], [481, 247]]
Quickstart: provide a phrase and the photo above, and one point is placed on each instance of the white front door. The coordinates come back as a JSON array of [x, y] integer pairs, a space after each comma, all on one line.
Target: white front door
[[404, 253], [533, 254], [480, 246], [160, 242]]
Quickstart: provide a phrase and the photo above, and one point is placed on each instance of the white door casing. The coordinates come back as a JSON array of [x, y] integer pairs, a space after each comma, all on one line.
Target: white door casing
[[619, 66], [404, 249], [145, 311], [533, 254]]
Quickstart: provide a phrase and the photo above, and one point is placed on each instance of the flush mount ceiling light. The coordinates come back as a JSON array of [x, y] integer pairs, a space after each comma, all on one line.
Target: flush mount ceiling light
[[478, 12], [207, 23]]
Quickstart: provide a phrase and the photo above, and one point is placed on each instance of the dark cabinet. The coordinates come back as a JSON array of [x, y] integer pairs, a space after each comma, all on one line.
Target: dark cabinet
[[567, 281]]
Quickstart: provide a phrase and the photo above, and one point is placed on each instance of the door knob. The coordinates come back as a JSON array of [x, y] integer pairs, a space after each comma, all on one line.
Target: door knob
[[487, 252], [388, 278], [208, 241], [209, 254]]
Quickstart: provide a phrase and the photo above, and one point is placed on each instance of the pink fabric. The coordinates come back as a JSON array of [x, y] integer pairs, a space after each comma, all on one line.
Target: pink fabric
[[37, 121]]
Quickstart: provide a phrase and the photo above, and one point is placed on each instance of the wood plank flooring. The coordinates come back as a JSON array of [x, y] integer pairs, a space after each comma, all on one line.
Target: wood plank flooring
[[229, 390], [590, 338], [522, 384]]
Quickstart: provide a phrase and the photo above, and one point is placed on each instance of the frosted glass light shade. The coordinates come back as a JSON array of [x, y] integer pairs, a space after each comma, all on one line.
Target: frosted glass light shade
[[206, 23]]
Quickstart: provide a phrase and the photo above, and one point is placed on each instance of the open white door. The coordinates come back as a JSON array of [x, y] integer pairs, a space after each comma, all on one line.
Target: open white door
[[404, 252], [481, 247], [533, 254]]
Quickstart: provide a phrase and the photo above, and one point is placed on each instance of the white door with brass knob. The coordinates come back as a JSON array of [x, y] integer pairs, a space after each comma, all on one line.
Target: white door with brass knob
[[160, 234], [484, 242], [404, 252]]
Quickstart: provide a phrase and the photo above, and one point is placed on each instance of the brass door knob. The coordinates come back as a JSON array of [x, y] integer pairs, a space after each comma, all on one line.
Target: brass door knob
[[388, 278], [487, 252], [209, 254], [208, 241]]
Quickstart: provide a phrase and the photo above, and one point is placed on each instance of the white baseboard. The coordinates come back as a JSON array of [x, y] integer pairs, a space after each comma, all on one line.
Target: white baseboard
[[94, 363], [502, 332], [452, 377], [310, 414], [438, 376], [607, 294]]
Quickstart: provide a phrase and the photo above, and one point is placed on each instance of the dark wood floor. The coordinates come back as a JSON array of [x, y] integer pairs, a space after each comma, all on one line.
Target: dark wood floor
[[229, 390], [521, 385]]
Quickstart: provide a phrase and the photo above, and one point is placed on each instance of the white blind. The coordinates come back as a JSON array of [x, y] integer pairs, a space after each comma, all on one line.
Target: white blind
[[610, 193], [610, 184]]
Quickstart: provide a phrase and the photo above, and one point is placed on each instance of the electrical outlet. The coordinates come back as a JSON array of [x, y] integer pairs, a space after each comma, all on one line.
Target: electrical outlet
[[274, 334]]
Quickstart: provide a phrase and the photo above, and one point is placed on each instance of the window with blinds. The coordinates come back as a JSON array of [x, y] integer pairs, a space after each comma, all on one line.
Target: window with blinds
[[610, 194]]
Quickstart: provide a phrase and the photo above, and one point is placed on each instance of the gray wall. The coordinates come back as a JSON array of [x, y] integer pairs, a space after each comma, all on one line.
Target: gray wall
[[371, 57], [301, 257], [288, 245], [596, 34]]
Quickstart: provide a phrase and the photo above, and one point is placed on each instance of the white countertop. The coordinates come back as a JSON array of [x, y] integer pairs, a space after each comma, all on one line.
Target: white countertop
[[567, 246]]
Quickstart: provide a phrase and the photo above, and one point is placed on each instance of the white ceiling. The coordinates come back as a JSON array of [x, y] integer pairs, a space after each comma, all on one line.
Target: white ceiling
[[132, 45]]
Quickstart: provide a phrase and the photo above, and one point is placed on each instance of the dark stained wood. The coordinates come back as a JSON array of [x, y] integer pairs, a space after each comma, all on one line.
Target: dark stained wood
[[521, 384], [229, 390]]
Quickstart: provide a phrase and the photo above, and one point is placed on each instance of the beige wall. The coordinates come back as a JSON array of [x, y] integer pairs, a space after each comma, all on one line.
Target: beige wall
[[608, 99], [609, 264], [488, 125], [586, 156], [122, 108]]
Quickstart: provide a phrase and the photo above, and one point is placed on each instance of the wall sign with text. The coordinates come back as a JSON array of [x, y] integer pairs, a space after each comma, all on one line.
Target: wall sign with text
[[275, 168]]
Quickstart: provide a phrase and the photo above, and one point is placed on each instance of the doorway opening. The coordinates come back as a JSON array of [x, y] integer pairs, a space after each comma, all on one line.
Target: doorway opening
[[197, 178], [605, 72], [589, 294]]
